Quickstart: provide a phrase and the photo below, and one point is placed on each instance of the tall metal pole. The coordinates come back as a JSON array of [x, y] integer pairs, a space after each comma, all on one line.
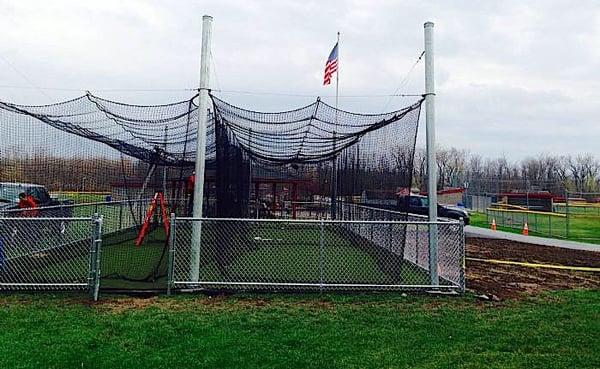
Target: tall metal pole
[[201, 146], [431, 162]]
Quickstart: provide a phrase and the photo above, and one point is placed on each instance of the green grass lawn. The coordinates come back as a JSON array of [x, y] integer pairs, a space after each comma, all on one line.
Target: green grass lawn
[[81, 197], [584, 229], [558, 330]]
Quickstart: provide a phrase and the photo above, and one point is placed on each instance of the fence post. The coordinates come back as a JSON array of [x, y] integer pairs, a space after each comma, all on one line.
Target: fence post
[[171, 258], [120, 216], [321, 255], [463, 265], [371, 229], [567, 212], [390, 237], [95, 256], [92, 258], [417, 237]]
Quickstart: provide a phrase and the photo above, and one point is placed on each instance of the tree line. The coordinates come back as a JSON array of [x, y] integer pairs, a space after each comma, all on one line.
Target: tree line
[[544, 172]]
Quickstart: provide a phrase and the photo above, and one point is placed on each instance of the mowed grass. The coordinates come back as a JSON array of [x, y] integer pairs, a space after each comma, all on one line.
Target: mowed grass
[[559, 330], [81, 197], [581, 228]]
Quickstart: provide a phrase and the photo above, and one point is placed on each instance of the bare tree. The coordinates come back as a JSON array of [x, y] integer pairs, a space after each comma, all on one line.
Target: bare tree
[[545, 172]]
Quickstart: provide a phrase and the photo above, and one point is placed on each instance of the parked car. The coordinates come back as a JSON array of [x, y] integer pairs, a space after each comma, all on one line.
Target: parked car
[[9, 199], [417, 204]]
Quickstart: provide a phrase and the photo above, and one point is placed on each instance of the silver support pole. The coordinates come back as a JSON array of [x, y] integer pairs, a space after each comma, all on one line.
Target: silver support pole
[[431, 163], [201, 146], [171, 258], [97, 249], [321, 256]]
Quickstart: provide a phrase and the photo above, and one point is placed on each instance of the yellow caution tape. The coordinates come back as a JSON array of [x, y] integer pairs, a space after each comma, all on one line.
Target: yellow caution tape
[[533, 265]]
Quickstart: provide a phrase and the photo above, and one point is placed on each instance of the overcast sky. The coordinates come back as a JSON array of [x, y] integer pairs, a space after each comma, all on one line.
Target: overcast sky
[[514, 78]]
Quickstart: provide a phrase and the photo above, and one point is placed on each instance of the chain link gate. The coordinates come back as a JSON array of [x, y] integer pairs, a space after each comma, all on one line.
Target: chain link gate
[[50, 253]]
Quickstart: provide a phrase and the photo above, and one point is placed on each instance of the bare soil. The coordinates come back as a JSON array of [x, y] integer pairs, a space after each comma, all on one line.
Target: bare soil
[[512, 281]]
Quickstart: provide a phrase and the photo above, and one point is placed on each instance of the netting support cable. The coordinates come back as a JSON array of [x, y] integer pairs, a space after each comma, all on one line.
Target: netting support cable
[[203, 100], [164, 166], [250, 172], [183, 155], [146, 181]]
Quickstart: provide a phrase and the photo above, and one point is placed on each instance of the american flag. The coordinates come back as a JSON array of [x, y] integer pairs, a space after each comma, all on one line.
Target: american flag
[[331, 66]]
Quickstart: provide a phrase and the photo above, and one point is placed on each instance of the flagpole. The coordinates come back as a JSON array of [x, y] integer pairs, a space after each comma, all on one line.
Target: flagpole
[[337, 77], [334, 179]]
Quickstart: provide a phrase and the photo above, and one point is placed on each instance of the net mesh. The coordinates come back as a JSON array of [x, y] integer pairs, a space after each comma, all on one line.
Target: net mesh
[[93, 155], [372, 155]]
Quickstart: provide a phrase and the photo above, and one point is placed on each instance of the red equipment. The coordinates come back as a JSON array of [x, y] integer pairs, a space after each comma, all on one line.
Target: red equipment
[[157, 199]]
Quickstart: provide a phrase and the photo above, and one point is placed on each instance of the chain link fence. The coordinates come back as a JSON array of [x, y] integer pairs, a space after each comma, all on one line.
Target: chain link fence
[[576, 216], [538, 223], [118, 215], [49, 253], [389, 251], [416, 249], [276, 254]]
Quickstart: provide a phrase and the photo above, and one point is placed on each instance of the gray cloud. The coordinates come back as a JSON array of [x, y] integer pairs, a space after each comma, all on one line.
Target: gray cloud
[[513, 77]]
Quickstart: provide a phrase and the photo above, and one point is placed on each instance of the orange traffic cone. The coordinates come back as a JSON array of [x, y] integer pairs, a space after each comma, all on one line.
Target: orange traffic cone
[[525, 229], [493, 227]]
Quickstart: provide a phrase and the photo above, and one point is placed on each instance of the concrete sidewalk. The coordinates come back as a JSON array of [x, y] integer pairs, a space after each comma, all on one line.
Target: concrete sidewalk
[[471, 231]]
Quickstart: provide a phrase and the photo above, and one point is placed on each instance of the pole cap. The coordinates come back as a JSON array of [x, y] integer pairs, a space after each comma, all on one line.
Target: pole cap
[[428, 24], [207, 17]]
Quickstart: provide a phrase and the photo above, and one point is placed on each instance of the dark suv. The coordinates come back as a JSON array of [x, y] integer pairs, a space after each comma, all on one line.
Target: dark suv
[[417, 204], [9, 199]]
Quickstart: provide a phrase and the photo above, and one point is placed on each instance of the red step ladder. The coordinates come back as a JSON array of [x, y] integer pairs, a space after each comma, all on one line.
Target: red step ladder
[[158, 199]]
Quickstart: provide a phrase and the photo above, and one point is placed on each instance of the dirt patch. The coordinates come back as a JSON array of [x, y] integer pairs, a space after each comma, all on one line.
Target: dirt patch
[[121, 304], [512, 281]]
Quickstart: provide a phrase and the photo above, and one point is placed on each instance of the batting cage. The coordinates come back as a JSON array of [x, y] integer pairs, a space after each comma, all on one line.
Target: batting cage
[[97, 189]]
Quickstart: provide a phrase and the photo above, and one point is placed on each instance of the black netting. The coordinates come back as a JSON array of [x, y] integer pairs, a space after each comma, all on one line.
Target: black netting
[[95, 155], [292, 154]]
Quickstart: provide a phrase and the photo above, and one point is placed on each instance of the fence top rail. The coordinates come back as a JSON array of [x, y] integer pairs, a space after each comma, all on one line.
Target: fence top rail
[[317, 221], [380, 209], [440, 220], [528, 212], [34, 219], [63, 206], [325, 285]]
